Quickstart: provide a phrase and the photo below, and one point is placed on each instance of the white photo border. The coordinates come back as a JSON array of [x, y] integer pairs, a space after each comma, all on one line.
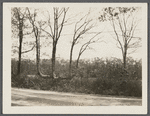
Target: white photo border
[[8, 109]]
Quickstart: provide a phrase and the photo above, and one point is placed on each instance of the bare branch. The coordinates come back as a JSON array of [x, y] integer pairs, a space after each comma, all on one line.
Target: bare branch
[[86, 45], [132, 33], [132, 51], [60, 12], [79, 22], [28, 50], [123, 31], [47, 32], [117, 36], [131, 28], [49, 24], [32, 21], [76, 30], [65, 11]]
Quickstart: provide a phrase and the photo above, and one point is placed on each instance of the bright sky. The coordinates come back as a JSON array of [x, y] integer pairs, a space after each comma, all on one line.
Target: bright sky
[[105, 48]]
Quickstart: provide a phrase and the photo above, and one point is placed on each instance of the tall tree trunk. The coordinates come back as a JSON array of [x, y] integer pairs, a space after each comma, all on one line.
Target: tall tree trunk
[[53, 60], [78, 61], [19, 62], [20, 46], [37, 56], [54, 41], [125, 56], [125, 72], [124, 61], [39, 72], [38, 59], [70, 64]]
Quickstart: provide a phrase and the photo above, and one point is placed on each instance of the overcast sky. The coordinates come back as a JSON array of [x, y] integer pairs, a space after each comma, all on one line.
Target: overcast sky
[[106, 48]]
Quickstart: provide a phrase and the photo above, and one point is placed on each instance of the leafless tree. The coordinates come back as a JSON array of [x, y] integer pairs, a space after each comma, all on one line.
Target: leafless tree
[[86, 45], [124, 24], [36, 28], [55, 31], [82, 26], [18, 21]]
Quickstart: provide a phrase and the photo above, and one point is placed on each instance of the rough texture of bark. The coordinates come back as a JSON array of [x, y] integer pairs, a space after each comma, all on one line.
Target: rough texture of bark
[[124, 61], [124, 56], [19, 62], [78, 61], [70, 64], [20, 42], [37, 57], [53, 60]]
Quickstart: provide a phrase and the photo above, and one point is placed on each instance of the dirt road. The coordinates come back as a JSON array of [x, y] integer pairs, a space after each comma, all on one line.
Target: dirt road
[[27, 97]]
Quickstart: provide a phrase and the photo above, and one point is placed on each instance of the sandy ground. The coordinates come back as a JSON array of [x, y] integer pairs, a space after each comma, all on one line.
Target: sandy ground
[[28, 97]]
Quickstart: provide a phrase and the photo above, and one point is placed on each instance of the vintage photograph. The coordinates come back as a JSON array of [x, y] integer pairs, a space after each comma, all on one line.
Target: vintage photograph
[[75, 54]]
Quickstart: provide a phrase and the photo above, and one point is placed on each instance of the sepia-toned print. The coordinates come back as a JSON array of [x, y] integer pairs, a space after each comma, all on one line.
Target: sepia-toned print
[[77, 55]]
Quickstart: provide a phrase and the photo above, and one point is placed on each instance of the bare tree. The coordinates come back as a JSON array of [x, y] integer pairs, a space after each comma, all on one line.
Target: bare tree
[[86, 45], [36, 25], [81, 27], [18, 26], [55, 31], [124, 24]]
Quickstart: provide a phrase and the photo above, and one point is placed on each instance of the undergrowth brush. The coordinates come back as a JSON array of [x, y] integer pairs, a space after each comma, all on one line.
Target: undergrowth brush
[[105, 77]]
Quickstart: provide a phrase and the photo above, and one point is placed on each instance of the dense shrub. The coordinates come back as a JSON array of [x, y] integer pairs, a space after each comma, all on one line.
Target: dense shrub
[[98, 76]]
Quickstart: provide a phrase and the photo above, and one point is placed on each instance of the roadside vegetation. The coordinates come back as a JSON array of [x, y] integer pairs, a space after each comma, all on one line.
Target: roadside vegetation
[[98, 76]]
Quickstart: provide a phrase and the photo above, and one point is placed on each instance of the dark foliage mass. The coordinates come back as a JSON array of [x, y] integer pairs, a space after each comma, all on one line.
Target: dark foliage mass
[[105, 77]]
